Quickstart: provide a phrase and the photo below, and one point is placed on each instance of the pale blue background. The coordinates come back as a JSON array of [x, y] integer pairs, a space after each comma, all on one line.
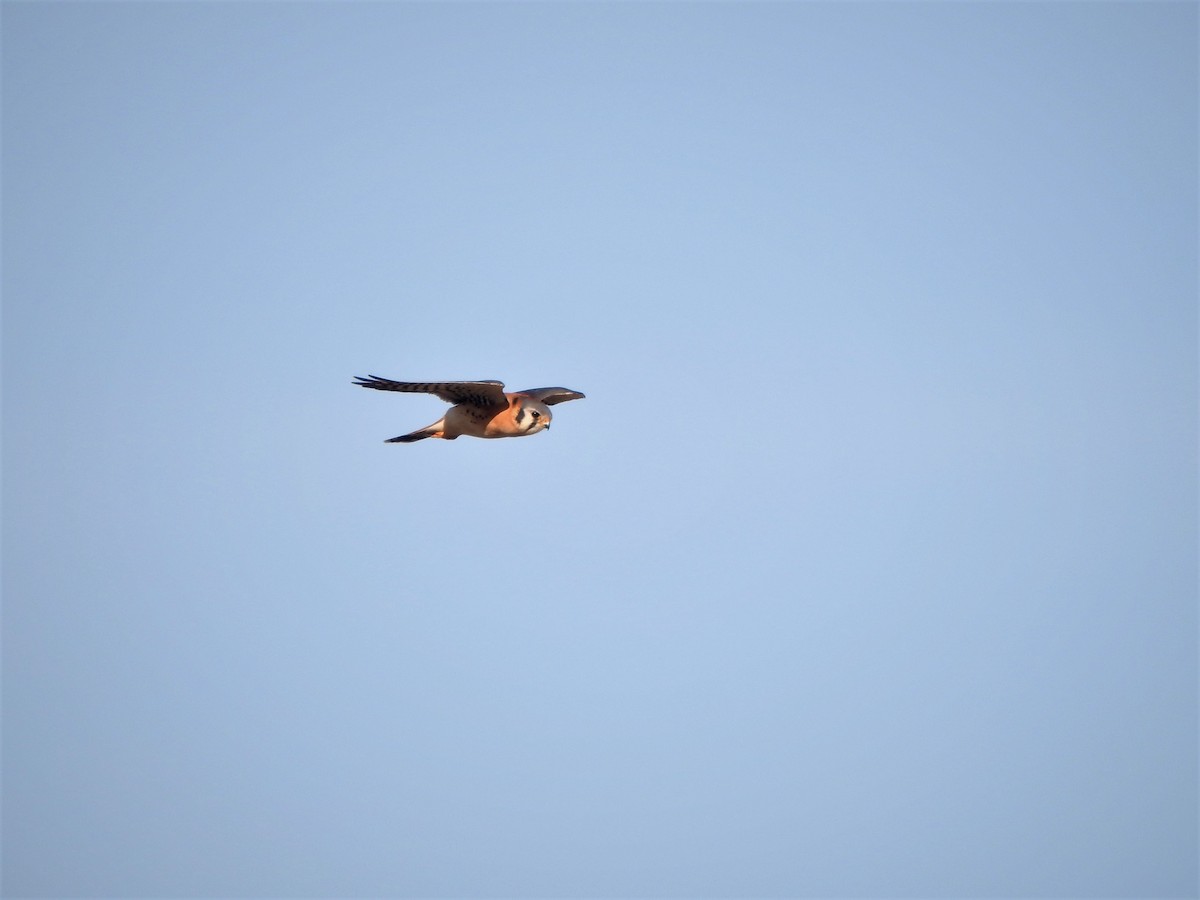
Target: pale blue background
[[867, 568]]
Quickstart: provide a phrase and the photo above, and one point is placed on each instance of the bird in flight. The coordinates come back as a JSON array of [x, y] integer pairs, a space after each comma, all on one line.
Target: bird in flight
[[481, 408]]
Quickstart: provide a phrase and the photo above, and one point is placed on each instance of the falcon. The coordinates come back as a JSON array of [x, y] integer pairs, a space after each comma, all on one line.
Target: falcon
[[481, 409]]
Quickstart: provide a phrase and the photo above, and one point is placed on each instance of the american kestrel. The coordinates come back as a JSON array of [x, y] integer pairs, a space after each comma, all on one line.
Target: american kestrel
[[481, 408]]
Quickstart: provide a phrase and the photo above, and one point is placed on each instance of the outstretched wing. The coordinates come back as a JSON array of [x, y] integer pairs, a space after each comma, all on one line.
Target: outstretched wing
[[550, 396], [484, 394]]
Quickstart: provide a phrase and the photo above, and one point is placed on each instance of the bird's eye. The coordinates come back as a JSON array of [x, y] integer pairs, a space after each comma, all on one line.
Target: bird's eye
[[536, 415]]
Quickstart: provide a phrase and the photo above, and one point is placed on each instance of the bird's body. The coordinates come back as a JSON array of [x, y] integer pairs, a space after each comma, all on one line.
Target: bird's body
[[481, 408]]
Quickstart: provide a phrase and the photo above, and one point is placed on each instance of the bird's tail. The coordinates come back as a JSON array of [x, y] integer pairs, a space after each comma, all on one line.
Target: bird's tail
[[434, 430]]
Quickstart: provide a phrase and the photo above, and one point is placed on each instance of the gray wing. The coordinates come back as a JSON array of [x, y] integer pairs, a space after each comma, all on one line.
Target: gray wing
[[550, 396], [484, 394]]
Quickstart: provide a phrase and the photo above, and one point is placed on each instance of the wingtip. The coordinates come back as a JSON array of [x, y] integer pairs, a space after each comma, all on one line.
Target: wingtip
[[368, 380]]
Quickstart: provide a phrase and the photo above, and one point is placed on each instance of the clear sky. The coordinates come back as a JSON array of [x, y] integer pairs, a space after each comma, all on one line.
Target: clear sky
[[868, 567]]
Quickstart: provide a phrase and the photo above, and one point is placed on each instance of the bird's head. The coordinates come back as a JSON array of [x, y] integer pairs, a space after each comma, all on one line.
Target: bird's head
[[530, 416]]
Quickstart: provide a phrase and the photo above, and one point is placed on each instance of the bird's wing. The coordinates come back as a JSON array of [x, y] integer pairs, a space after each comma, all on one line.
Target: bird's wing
[[484, 394], [550, 396]]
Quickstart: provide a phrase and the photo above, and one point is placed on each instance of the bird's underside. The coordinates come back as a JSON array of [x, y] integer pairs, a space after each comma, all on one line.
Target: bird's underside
[[480, 408]]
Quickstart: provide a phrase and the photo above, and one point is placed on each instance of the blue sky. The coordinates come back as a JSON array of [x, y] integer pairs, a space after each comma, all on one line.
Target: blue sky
[[868, 567]]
